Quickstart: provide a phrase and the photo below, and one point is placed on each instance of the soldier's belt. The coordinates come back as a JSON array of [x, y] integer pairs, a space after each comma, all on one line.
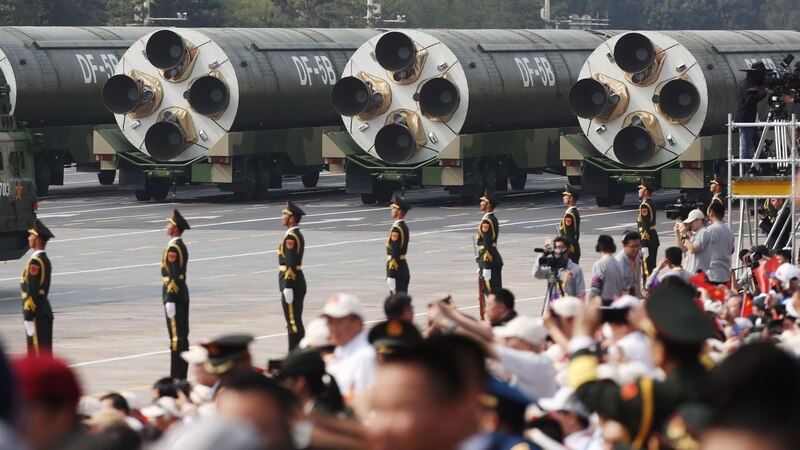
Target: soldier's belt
[[283, 268], [166, 279], [490, 245], [389, 257], [652, 228]]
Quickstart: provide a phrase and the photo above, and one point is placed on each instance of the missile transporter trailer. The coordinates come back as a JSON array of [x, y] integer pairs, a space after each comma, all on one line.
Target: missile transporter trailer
[[656, 104], [53, 77], [239, 108], [466, 110]]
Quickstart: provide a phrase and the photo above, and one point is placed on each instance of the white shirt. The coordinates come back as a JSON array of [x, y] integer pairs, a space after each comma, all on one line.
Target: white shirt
[[579, 440], [533, 374], [353, 366], [634, 347], [291, 229]]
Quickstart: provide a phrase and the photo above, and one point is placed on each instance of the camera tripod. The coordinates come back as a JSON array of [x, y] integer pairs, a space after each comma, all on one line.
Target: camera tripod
[[553, 283], [781, 141]]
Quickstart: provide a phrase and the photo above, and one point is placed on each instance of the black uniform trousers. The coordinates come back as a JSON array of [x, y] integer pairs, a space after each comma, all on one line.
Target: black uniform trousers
[[41, 343], [652, 247], [495, 283], [178, 329], [293, 313], [403, 277]]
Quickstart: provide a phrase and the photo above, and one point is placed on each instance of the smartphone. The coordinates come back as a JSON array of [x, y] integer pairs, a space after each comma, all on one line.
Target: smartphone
[[613, 315]]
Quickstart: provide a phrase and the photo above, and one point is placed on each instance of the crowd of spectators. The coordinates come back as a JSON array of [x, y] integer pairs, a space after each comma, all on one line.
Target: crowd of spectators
[[672, 359]]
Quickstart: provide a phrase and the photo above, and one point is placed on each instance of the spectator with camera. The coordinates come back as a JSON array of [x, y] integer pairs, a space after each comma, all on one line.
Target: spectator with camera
[[693, 240], [721, 246], [630, 259], [558, 262], [608, 277], [670, 266]]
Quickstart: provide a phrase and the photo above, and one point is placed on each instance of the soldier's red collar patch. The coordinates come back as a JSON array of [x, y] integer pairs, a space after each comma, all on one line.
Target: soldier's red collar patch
[[629, 391]]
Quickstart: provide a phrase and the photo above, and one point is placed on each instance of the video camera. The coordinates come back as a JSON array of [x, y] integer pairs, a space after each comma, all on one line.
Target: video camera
[[680, 209], [551, 258], [782, 81]]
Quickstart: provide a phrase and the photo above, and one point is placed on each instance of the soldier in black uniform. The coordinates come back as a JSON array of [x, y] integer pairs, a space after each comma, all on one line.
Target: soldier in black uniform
[[678, 329], [35, 284], [716, 190], [175, 294], [397, 273], [291, 280], [570, 226], [646, 222], [490, 262]]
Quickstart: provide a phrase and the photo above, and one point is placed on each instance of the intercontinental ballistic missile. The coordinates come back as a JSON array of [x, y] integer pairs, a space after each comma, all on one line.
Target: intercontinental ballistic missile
[[406, 95], [178, 92], [645, 97]]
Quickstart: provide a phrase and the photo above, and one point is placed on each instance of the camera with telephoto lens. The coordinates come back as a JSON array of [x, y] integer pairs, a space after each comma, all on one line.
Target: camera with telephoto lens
[[680, 210], [782, 81], [551, 258]]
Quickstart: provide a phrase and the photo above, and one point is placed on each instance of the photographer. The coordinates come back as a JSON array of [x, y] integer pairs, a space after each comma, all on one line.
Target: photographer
[[693, 239], [751, 92], [570, 274], [793, 96], [742, 277]]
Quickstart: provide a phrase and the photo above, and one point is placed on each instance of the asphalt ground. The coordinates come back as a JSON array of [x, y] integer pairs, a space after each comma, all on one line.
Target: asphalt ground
[[106, 285]]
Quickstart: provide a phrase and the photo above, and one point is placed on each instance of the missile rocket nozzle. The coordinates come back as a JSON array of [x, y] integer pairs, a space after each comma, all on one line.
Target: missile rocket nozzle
[[165, 141], [633, 146], [395, 51], [589, 98], [350, 96], [634, 52], [679, 99], [395, 143], [439, 98], [122, 94], [208, 95], [166, 49]]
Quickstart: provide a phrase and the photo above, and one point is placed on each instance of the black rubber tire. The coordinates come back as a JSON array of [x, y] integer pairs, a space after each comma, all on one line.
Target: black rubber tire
[[574, 180], [142, 195], [383, 193], [501, 184], [616, 196], [519, 181], [311, 179], [602, 201], [368, 199], [106, 177], [160, 190]]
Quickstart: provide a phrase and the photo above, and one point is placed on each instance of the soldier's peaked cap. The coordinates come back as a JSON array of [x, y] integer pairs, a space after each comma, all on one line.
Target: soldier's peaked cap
[[293, 210], [400, 203], [178, 220], [40, 230], [490, 198], [224, 351], [675, 316], [716, 181], [647, 184], [571, 191], [389, 335]]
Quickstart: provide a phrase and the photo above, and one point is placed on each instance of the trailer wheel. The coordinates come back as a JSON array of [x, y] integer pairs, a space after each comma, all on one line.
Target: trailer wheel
[[106, 177], [311, 178], [574, 180], [42, 179], [602, 201], [159, 190], [383, 192], [616, 194]]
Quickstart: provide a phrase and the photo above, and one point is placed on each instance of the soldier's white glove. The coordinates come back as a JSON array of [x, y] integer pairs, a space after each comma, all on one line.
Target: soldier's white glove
[[288, 294], [29, 327], [392, 283], [645, 252], [487, 274], [478, 271], [169, 307]]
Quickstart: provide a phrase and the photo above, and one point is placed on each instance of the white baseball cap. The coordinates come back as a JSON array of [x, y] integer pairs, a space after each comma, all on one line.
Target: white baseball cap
[[626, 301], [317, 334], [196, 354], [785, 272], [526, 328], [164, 406], [566, 306], [343, 305], [564, 400], [694, 215]]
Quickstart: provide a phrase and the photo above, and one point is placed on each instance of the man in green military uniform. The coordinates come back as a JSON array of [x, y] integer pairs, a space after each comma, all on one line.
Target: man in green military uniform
[[291, 280], [175, 294], [646, 221], [678, 330], [490, 263], [570, 226], [397, 273], [715, 187], [35, 284]]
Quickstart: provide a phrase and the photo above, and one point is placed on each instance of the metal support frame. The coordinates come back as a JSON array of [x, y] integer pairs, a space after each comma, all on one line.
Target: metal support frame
[[785, 139]]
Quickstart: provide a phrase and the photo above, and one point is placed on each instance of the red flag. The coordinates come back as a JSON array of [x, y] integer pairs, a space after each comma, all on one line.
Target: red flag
[[714, 292], [762, 273], [747, 306]]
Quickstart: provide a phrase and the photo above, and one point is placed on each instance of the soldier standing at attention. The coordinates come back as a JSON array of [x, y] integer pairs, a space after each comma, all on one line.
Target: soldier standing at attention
[[490, 262], [716, 190], [647, 227], [291, 280], [570, 226], [175, 294], [397, 273], [36, 310]]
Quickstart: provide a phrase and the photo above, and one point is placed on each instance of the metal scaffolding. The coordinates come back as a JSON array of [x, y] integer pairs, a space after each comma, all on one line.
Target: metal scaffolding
[[750, 185]]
